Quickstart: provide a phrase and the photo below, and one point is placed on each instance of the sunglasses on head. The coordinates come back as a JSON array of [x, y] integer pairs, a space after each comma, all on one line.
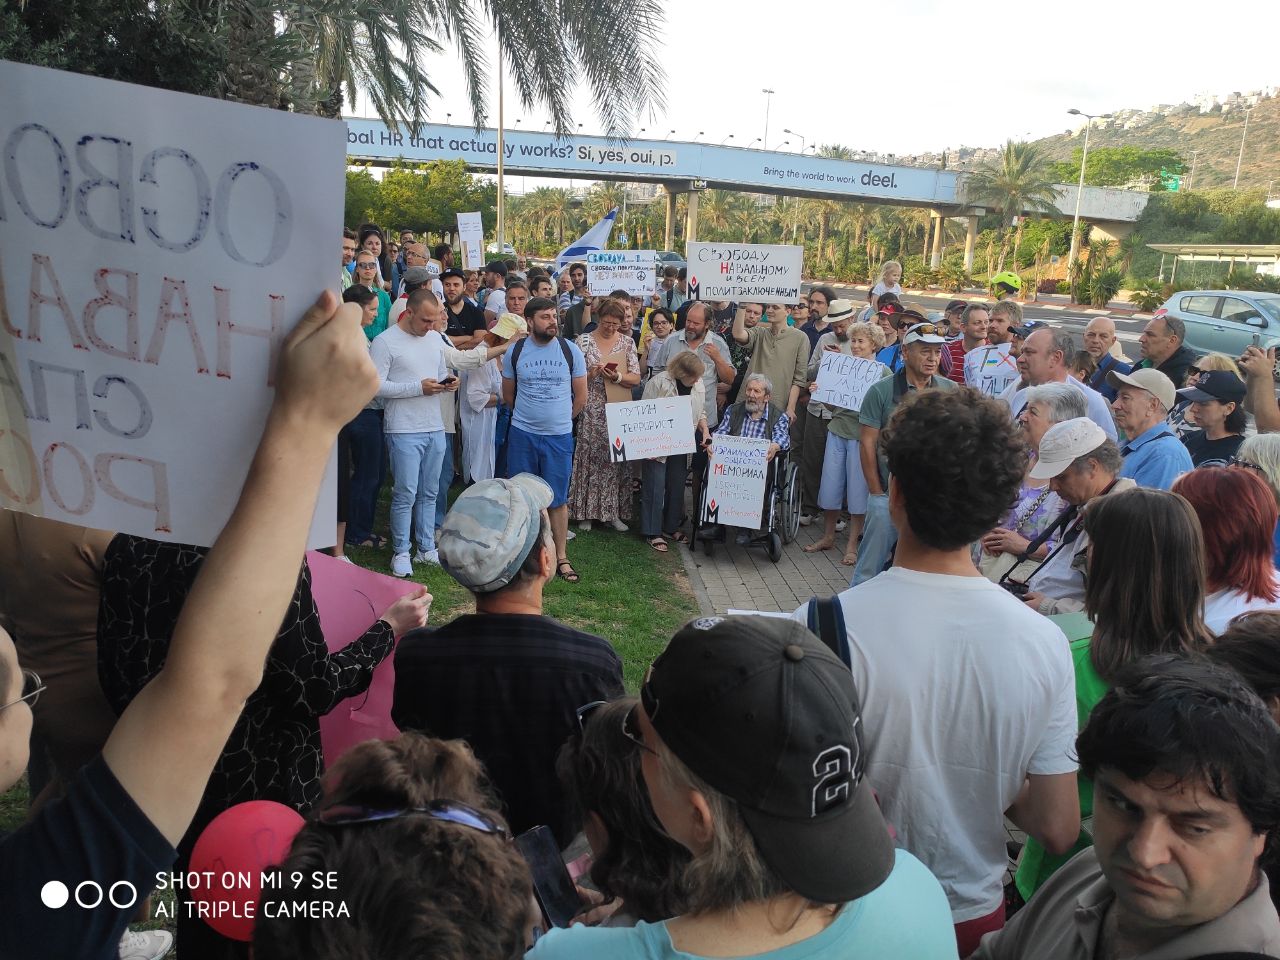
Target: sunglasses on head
[[443, 811], [32, 687], [1237, 462]]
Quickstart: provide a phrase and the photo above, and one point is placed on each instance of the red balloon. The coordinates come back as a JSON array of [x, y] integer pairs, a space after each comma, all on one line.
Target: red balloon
[[233, 852]]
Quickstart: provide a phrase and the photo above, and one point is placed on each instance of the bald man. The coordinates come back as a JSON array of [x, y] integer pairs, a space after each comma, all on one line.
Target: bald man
[[1101, 344]]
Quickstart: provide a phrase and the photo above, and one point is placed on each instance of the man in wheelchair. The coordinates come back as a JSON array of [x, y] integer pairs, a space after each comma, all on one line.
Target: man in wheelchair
[[756, 418]]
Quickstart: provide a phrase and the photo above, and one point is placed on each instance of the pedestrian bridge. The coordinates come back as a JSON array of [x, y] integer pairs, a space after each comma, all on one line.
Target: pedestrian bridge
[[683, 167]]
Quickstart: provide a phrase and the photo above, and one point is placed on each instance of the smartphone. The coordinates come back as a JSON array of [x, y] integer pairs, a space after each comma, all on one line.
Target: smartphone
[[1257, 340], [552, 884], [448, 381], [611, 366]]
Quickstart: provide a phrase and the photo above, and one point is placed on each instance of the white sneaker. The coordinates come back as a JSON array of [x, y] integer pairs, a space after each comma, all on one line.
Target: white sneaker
[[400, 565], [619, 526], [145, 944], [584, 524], [806, 519], [427, 556], [570, 536], [842, 526], [345, 559]]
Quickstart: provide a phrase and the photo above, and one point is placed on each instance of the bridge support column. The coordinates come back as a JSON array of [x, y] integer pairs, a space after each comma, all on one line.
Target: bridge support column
[[691, 218], [669, 238], [935, 256], [970, 240]]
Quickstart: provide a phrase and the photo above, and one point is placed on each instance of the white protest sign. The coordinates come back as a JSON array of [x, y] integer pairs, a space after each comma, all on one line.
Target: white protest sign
[[735, 482], [634, 271], [753, 272], [843, 380], [471, 240], [990, 369], [644, 429], [155, 249]]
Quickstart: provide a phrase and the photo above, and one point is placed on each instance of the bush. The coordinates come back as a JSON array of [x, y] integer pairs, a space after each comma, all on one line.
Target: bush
[[1147, 295], [1249, 280], [1104, 285], [1049, 286], [953, 278]]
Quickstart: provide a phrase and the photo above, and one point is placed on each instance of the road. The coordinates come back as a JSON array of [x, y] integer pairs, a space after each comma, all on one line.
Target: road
[[1128, 327]]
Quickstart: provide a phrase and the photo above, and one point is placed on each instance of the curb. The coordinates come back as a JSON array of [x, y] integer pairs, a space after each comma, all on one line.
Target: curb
[[695, 581]]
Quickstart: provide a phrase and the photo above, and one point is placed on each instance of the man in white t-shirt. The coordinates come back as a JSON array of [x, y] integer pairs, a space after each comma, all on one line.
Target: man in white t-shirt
[[413, 364], [969, 702]]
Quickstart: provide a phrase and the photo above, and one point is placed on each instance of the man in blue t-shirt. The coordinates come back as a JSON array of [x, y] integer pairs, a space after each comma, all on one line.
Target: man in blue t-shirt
[[544, 383]]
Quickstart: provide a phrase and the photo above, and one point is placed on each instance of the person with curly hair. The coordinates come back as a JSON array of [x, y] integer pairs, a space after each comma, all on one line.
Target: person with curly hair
[[636, 864], [423, 862], [970, 709]]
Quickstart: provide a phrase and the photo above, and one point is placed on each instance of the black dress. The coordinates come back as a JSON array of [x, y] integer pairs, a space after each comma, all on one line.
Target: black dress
[[273, 753]]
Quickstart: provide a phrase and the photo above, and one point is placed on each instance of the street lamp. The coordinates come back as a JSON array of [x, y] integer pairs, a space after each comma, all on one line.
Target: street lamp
[[447, 116], [784, 143], [794, 134], [754, 142], [700, 133], [671, 131], [1244, 133], [726, 139], [768, 96], [1084, 156]]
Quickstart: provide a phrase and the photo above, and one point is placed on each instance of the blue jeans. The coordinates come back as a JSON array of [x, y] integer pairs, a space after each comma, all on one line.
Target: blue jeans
[[367, 451], [446, 481], [415, 463], [879, 537]]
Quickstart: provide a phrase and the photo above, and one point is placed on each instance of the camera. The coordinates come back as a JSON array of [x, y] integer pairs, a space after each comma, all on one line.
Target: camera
[[1019, 590]]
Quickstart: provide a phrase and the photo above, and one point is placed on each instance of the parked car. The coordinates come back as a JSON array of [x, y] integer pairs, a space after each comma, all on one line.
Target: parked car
[[669, 258], [1226, 321], [507, 249]]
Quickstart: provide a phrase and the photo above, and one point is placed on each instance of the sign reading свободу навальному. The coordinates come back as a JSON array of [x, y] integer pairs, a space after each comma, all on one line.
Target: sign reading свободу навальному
[[750, 272], [155, 249]]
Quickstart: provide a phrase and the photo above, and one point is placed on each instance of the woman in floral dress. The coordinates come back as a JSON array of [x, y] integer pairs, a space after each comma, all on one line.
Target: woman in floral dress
[[600, 489]]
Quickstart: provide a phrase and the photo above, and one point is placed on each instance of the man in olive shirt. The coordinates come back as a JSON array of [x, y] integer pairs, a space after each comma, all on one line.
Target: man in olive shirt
[[921, 353], [779, 352]]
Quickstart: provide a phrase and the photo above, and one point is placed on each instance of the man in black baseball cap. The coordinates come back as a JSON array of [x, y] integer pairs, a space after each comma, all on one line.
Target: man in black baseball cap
[[752, 752]]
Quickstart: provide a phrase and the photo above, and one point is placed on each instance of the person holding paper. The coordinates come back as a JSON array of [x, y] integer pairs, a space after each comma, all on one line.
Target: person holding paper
[[817, 416], [662, 496], [125, 809], [842, 480]]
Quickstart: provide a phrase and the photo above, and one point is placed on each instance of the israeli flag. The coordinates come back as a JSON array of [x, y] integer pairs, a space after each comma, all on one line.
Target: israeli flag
[[597, 238]]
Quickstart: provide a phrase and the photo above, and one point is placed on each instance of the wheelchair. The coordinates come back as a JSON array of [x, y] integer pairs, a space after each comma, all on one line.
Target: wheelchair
[[781, 521]]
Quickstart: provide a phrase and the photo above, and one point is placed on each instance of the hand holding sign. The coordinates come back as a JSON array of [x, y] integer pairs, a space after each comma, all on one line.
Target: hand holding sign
[[325, 373]]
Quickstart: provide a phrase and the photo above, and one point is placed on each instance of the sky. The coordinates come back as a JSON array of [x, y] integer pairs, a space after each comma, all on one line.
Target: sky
[[920, 75]]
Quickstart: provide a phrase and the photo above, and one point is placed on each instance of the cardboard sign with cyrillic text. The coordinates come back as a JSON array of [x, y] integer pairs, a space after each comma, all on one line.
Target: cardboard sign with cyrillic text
[[644, 429], [155, 249], [844, 380], [735, 481]]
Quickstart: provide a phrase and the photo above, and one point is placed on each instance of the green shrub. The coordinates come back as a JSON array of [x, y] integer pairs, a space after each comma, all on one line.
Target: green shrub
[[953, 278], [1147, 295], [1104, 285]]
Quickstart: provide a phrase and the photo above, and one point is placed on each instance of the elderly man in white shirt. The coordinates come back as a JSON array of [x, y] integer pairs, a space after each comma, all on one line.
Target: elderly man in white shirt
[[413, 363]]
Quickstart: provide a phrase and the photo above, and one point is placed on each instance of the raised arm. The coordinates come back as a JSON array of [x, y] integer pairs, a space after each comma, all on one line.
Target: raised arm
[[740, 333], [234, 610]]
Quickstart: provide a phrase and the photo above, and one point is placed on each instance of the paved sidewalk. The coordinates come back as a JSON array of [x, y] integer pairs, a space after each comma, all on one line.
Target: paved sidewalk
[[743, 578]]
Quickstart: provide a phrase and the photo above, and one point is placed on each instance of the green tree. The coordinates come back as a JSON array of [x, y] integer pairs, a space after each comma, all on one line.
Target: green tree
[[1020, 181], [361, 199], [310, 55], [1120, 166]]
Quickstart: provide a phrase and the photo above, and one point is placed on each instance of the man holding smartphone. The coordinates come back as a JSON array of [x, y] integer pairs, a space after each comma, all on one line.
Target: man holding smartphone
[[413, 364]]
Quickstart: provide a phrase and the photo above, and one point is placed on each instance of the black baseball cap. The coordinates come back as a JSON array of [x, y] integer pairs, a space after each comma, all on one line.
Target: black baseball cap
[[1220, 385], [453, 272], [955, 305], [766, 714]]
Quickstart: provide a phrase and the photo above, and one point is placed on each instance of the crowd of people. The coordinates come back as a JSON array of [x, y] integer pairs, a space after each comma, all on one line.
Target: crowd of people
[[837, 782]]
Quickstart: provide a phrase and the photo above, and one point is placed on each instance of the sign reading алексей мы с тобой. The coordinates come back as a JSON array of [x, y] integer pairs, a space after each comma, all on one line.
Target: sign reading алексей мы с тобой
[[155, 249], [744, 272]]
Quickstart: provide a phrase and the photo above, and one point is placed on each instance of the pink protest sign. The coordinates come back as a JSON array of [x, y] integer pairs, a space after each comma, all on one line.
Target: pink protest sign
[[350, 599]]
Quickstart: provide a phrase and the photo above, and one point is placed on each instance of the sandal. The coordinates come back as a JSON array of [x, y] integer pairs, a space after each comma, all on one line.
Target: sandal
[[850, 559], [680, 537], [658, 543], [571, 576], [373, 540]]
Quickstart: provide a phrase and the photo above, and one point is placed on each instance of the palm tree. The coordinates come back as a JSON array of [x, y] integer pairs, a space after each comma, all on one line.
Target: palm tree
[[600, 199], [1018, 182], [307, 56], [717, 211]]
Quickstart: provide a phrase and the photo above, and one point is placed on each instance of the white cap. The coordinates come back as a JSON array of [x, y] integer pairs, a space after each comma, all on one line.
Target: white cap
[[1063, 443]]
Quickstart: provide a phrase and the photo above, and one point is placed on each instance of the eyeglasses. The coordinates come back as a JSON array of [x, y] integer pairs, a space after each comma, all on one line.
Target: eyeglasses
[[631, 730], [367, 265], [32, 687], [445, 811], [585, 711], [1240, 462]]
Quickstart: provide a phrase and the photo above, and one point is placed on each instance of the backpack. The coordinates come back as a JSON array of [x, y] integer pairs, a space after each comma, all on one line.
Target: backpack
[[515, 360], [825, 619], [503, 432]]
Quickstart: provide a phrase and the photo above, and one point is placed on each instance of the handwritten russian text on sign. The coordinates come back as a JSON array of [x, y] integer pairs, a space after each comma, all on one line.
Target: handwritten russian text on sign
[[990, 369], [471, 239], [631, 270], [150, 266], [843, 381], [753, 272], [735, 483], [644, 429]]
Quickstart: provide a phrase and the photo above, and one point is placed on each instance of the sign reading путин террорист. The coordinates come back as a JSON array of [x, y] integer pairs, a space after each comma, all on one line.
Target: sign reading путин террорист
[[750, 272]]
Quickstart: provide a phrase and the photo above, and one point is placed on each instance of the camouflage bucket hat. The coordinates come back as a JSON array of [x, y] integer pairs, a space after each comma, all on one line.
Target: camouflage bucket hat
[[490, 529]]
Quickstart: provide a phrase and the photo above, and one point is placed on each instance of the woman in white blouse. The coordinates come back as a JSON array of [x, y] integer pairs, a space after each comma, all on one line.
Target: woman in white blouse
[[662, 498]]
